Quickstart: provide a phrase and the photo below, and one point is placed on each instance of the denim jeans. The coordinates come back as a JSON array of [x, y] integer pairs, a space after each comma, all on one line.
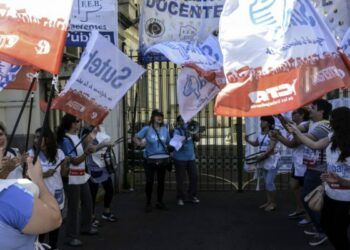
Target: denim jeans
[[311, 181], [181, 168], [269, 177]]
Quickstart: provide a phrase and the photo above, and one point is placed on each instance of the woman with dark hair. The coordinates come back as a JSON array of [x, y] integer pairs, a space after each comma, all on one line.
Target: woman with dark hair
[[50, 156], [268, 160], [300, 117], [335, 217], [155, 137], [97, 168], [11, 162], [77, 188]]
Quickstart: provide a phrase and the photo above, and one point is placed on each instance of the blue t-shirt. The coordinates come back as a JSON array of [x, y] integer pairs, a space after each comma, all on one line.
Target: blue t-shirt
[[67, 147], [153, 146], [16, 207], [98, 174], [186, 152]]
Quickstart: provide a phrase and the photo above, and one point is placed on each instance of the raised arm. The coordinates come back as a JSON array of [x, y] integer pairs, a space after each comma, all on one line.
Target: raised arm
[[307, 141], [46, 214]]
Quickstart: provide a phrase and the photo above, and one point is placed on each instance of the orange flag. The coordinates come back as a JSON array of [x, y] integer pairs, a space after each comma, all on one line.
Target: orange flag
[[34, 32]]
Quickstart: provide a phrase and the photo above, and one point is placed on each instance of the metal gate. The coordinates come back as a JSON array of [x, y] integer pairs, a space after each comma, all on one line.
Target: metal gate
[[219, 151]]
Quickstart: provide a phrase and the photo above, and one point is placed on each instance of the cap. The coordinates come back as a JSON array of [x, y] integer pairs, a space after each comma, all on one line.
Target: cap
[[156, 112]]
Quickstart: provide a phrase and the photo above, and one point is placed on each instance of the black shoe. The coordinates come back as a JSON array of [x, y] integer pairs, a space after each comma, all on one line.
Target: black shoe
[[161, 206], [148, 208], [92, 231], [74, 243]]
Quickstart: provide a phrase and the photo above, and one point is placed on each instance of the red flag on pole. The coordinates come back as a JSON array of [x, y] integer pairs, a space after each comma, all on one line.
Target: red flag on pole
[[34, 32], [278, 57]]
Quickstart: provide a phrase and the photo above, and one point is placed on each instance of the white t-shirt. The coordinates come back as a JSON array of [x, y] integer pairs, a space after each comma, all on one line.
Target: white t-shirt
[[97, 157], [53, 183], [17, 173], [272, 160], [342, 169], [77, 174]]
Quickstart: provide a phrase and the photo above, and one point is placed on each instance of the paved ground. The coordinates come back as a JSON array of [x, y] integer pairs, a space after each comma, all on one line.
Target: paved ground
[[223, 220]]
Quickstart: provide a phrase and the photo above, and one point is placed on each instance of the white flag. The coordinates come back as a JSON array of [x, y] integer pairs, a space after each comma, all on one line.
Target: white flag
[[102, 77], [193, 93]]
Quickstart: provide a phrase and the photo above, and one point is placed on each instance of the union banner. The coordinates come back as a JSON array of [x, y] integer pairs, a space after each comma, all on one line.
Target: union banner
[[34, 32]]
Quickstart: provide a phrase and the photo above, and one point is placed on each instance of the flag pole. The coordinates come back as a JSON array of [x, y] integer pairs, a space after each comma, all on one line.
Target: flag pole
[[46, 118], [29, 121], [20, 115]]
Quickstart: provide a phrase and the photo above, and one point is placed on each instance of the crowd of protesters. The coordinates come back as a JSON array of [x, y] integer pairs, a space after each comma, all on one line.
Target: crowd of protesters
[[72, 165]]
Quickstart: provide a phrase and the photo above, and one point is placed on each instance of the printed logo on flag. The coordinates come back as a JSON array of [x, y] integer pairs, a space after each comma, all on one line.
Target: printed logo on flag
[[177, 20], [102, 77], [87, 15], [281, 57], [34, 32]]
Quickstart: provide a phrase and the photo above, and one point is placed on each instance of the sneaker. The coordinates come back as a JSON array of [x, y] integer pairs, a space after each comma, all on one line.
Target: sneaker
[[195, 200], [180, 202], [311, 232], [92, 231], [74, 243], [109, 217], [95, 223], [295, 215], [304, 222], [161, 206], [264, 205], [271, 207], [318, 240]]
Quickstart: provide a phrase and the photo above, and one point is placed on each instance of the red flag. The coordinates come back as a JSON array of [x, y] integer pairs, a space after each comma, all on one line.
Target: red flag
[[23, 79], [34, 32], [274, 61]]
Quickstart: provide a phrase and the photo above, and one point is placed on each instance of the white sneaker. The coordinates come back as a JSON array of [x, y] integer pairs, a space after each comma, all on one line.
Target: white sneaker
[[318, 240], [195, 200], [180, 202], [311, 232], [304, 222]]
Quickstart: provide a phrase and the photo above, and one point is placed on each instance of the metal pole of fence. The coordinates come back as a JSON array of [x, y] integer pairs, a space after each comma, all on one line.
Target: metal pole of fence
[[239, 131]]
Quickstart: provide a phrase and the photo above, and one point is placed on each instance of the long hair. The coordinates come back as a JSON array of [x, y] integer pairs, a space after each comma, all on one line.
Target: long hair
[[340, 122], [50, 144], [66, 124]]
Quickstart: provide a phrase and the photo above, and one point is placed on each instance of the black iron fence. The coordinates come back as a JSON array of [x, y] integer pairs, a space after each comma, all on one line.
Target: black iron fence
[[220, 149]]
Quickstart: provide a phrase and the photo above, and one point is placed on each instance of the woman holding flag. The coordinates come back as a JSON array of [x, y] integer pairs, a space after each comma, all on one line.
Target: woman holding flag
[[53, 162], [77, 187]]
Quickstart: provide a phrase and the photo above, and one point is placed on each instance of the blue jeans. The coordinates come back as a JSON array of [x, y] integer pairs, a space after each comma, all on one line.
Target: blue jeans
[[311, 181], [269, 177]]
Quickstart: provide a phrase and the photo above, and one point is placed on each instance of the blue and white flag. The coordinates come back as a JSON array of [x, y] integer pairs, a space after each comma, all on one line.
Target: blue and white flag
[[205, 55], [193, 93], [177, 20], [8, 73], [345, 44], [102, 77], [100, 15]]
